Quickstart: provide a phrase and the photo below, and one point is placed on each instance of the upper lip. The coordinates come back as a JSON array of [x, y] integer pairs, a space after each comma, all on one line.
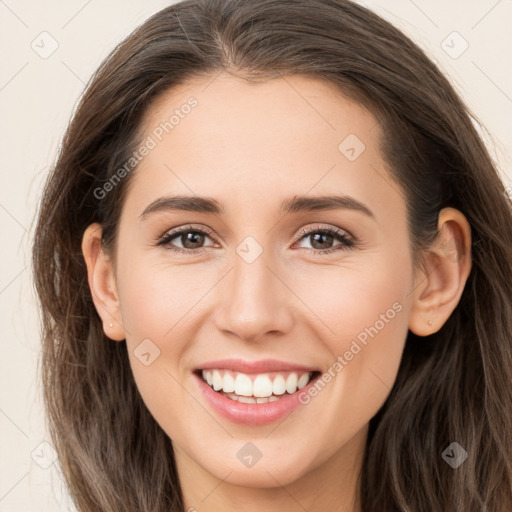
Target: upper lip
[[261, 366]]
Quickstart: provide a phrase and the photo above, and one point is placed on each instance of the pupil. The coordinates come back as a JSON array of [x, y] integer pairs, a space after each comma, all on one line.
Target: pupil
[[316, 235], [191, 237]]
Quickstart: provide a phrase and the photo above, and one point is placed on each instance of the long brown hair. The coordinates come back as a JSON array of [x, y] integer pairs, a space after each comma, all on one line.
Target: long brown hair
[[453, 386]]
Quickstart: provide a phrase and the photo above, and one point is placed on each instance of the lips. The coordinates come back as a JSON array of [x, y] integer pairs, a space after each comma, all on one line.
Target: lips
[[254, 392], [262, 366]]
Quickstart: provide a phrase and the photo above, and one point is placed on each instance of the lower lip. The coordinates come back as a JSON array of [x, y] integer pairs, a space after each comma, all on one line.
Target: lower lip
[[251, 414]]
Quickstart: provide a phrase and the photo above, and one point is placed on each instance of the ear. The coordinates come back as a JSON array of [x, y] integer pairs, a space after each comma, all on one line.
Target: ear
[[439, 283], [101, 278]]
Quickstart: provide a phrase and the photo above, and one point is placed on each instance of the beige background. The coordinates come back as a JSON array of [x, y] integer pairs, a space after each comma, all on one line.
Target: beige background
[[37, 97]]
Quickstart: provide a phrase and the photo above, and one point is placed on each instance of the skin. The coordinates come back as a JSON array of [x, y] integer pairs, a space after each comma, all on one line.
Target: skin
[[250, 146]]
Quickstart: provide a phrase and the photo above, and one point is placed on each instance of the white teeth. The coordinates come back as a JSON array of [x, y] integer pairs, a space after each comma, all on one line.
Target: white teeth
[[262, 388], [291, 383], [216, 380], [279, 385], [228, 383], [304, 379], [243, 385], [247, 399]]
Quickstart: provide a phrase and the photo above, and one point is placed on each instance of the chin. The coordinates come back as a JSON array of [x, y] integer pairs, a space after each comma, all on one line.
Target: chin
[[267, 472]]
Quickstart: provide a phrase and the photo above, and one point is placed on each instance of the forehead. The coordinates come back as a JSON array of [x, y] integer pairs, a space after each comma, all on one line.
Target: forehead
[[226, 107], [236, 140]]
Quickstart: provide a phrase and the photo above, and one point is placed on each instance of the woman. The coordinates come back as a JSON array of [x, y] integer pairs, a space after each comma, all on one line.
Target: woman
[[196, 354]]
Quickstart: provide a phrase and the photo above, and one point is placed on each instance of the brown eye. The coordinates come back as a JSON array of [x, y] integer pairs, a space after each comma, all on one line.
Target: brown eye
[[191, 240], [322, 239]]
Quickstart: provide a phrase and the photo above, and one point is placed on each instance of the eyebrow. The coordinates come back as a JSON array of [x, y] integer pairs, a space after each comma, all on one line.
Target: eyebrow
[[293, 205]]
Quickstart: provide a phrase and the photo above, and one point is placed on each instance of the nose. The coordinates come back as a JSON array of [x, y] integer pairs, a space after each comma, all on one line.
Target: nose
[[253, 301]]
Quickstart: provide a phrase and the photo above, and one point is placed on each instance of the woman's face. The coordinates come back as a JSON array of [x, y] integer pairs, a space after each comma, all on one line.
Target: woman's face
[[263, 296]]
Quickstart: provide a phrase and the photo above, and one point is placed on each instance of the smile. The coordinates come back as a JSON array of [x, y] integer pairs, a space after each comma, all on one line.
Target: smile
[[253, 392], [255, 388]]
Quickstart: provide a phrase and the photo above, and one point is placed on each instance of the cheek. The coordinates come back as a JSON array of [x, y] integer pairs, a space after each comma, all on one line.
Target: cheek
[[157, 298], [363, 315], [160, 305], [359, 300]]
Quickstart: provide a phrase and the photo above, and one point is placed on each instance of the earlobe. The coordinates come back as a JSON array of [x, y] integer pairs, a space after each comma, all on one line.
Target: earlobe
[[439, 284], [100, 276]]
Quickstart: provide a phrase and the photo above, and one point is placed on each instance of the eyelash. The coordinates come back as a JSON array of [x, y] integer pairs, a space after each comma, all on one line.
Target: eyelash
[[347, 241]]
